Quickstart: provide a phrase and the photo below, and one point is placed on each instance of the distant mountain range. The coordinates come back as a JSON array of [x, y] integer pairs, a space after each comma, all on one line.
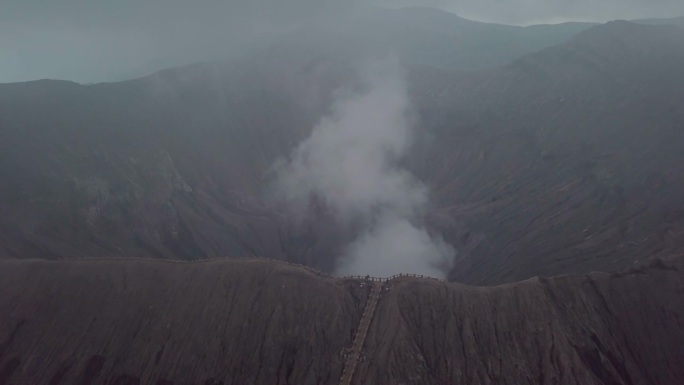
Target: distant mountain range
[[679, 21], [565, 160], [417, 34]]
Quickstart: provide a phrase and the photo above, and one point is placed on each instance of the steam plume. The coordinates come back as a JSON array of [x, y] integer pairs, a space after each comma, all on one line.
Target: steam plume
[[351, 161]]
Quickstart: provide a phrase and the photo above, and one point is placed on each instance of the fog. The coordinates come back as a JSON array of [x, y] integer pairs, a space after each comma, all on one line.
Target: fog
[[527, 12], [108, 41], [351, 162]]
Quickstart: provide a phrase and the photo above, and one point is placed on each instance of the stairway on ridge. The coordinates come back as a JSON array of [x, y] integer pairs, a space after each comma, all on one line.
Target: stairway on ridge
[[361, 333]]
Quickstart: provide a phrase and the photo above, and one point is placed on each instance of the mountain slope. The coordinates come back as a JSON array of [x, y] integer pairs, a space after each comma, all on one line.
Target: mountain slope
[[147, 322], [564, 161], [567, 157], [421, 35], [596, 329], [264, 322]]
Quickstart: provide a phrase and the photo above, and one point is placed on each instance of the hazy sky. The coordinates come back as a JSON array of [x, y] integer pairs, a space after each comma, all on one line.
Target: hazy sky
[[155, 12], [525, 12], [99, 40]]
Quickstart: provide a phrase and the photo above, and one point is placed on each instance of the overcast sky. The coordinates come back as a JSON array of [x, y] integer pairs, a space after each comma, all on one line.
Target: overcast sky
[[526, 12], [100, 40]]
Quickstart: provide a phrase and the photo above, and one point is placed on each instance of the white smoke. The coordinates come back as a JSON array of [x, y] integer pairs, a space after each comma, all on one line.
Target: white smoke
[[395, 245], [351, 161]]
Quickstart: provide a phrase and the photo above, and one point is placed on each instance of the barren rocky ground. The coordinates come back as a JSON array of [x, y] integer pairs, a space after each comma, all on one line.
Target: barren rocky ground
[[265, 322]]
